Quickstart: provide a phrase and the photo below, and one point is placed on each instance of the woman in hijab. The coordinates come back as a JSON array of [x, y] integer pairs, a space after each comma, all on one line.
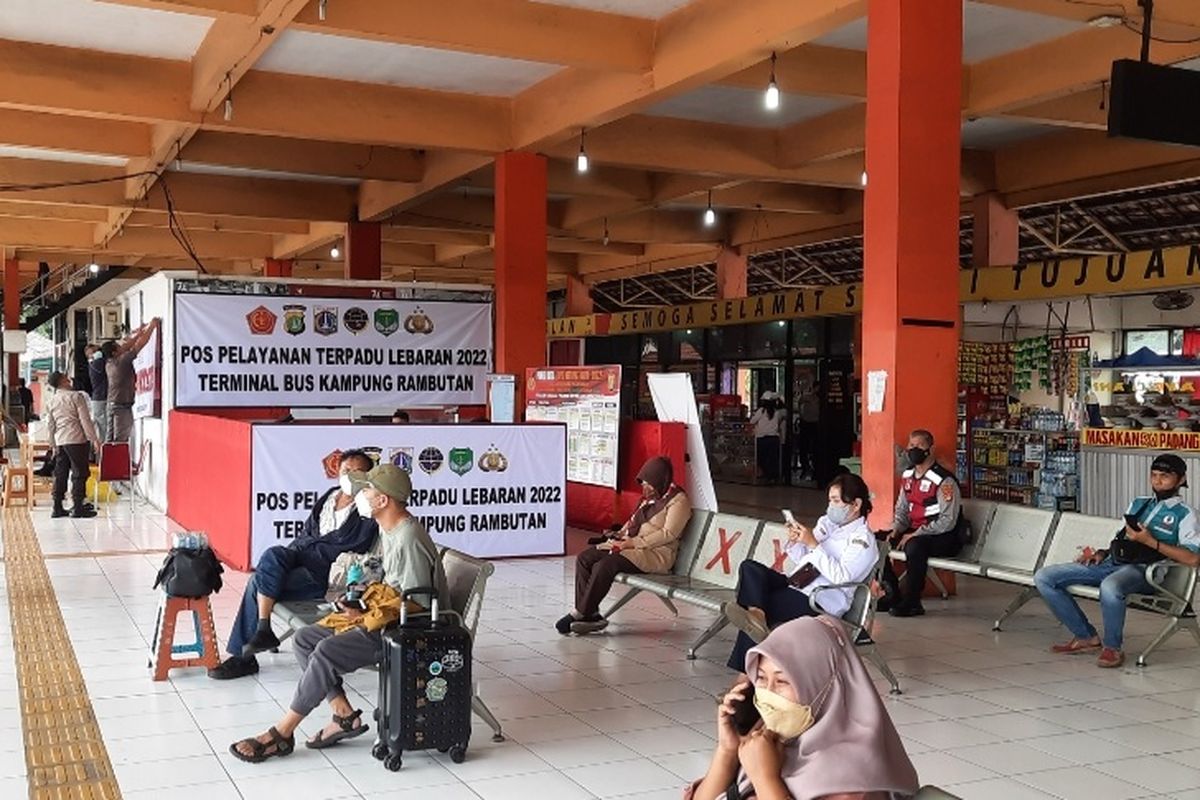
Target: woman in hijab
[[822, 732], [648, 542]]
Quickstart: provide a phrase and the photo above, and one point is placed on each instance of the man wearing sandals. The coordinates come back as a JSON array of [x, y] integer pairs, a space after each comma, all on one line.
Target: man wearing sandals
[[344, 642], [1162, 527]]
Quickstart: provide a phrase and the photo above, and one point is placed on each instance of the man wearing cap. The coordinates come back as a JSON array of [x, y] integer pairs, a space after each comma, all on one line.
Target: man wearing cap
[[343, 643], [297, 571], [1165, 529], [70, 431]]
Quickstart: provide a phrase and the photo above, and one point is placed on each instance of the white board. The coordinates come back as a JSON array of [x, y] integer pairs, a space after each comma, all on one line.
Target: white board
[[675, 401]]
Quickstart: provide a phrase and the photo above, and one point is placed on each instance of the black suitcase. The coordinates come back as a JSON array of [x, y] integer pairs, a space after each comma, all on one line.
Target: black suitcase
[[425, 687]]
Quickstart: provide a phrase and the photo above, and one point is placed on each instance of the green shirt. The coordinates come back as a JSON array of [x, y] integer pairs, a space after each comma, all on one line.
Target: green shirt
[[410, 560]]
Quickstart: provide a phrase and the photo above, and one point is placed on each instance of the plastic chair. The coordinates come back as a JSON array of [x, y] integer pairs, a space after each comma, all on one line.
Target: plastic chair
[[116, 464], [466, 579]]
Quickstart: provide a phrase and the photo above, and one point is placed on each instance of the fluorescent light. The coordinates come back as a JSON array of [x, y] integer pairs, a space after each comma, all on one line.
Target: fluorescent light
[[771, 99], [863, 179]]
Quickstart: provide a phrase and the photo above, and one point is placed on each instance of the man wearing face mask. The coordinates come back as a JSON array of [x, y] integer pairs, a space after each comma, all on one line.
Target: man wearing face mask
[[926, 524], [1157, 528], [297, 571]]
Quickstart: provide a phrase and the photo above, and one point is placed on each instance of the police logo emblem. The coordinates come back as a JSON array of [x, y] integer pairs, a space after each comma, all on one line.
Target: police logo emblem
[[261, 321], [493, 460], [387, 320], [293, 319], [325, 320], [355, 320], [418, 322], [461, 460], [431, 460], [402, 457]]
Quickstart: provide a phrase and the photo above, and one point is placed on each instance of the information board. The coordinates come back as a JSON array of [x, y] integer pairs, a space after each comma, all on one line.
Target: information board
[[588, 400]]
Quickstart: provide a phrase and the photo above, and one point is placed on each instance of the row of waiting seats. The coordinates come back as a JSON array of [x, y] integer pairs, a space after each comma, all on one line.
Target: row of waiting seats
[[1013, 542]]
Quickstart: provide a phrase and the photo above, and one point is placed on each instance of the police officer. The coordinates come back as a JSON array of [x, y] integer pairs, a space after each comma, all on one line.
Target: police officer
[[1161, 527], [925, 525]]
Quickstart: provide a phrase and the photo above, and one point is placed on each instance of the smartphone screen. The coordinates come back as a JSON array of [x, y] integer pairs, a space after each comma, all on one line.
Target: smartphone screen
[[357, 605], [745, 715], [788, 517], [1132, 521]]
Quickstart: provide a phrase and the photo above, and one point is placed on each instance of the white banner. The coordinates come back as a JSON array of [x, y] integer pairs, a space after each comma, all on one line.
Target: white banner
[[256, 350], [488, 490], [146, 380]]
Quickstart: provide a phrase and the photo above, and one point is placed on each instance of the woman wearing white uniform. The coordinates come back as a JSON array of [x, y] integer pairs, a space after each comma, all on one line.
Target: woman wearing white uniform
[[839, 549], [768, 422]]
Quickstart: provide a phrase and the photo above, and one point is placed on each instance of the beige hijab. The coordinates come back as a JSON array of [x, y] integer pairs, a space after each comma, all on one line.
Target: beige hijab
[[853, 745]]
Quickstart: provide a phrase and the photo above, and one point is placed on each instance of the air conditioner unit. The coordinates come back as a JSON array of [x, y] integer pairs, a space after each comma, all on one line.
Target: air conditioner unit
[[104, 323]]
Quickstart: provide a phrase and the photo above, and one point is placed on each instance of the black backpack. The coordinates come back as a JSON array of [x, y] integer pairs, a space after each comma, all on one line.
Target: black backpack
[[190, 572]]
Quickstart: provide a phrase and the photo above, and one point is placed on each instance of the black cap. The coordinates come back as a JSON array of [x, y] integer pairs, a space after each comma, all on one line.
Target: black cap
[[1169, 462]]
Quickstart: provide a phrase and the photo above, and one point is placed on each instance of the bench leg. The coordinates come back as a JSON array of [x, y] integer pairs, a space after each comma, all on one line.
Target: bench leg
[[484, 713], [720, 622], [1168, 630], [632, 593], [875, 657], [936, 580], [1024, 597], [666, 601]]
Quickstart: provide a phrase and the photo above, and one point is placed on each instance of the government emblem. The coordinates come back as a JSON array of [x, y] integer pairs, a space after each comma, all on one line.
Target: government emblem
[[261, 321], [493, 460], [325, 320], [387, 320], [431, 460], [293, 319], [331, 463], [355, 320], [402, 457], [461, 460], [418, 322]]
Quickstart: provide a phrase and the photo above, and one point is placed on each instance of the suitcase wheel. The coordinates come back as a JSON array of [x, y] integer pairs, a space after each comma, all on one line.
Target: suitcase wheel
[[379, 751], [458, 753], [392, 762]]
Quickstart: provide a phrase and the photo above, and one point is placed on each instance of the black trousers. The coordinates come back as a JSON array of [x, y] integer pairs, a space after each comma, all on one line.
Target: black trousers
[[767, 452], [918, 550], [594, 574], [73, 459]]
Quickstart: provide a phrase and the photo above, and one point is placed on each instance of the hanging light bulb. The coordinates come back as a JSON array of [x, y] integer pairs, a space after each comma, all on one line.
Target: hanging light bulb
[[710, 216], [605, 240], [334, 252], [863, 178], [322, 9], [93, 267], [581, 161], [771, 99], [229, 107]]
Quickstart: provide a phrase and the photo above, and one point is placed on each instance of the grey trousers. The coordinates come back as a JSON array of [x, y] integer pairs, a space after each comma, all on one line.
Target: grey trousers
[[100, 418], [120, 423], [325, 657]]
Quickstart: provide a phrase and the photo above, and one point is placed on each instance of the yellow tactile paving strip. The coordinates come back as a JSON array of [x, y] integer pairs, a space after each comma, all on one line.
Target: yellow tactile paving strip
[[64, 749]]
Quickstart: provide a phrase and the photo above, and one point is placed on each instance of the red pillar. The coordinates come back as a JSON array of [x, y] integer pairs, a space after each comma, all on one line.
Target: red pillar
[[364, 251], [997, 232], [911, 305], [277, 268], [731, 274], [579, 298], [12, 315], [520, 259]]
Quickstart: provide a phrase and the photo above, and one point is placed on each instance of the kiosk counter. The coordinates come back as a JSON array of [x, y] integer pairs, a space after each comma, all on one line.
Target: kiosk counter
[[1114, 465]]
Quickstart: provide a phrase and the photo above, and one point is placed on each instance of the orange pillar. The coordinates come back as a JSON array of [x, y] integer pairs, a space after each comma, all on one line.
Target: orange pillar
[[364, 251], [997, 232], [579, 298], [12, 316], [277, 268], [911, 305], [731, 274], [520, 259]]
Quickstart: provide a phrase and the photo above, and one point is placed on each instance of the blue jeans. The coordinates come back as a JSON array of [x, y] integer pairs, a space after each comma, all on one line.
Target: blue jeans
[[759, 586], [281, 574], [1116, 582]]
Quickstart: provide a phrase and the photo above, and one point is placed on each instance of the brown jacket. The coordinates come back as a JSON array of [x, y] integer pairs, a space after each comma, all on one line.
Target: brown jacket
[[656, 544]]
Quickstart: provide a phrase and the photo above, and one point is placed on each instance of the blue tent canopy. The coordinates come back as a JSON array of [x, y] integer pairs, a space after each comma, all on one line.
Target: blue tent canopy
[[1145, 358]]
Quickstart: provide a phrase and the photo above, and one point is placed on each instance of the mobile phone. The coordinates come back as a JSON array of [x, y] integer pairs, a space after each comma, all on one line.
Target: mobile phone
[[357, 605], [1132, 522], [788, 517], [745, 715]]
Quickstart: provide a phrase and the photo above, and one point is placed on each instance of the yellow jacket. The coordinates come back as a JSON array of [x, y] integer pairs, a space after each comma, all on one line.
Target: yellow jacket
[[383, 608]]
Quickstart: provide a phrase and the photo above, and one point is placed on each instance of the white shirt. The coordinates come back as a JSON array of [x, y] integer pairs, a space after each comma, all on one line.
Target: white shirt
[[767, 426], [845, 554], [333, 517]]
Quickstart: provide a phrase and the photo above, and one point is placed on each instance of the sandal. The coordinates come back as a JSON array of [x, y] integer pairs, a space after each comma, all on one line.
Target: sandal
[[348, 731], [282, 747]]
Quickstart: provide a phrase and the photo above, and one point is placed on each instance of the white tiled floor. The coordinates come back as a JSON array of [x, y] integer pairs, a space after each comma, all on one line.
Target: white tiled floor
[[622, 714]]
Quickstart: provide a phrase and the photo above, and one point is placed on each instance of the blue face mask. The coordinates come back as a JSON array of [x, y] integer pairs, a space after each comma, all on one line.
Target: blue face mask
[[839, 515]]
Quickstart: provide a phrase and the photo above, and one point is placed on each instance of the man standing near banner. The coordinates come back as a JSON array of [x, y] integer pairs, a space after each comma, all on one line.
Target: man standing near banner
[[122, 380], [98, 375]]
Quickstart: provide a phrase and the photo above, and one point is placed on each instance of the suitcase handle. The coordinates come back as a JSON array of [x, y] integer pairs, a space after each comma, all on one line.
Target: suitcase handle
[[405, 594]]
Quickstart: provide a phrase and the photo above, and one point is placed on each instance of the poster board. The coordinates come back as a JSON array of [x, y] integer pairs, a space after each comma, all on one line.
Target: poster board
[[675, 401], [588, 401], [147, 397], [301, 351], [487, 490]]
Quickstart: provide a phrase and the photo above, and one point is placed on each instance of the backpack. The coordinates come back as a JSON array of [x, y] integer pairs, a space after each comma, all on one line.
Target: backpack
[[190, 572]]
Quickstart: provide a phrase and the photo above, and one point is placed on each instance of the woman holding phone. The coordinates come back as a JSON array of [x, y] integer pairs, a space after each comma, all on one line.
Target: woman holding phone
[[806, 722], [838, 549]]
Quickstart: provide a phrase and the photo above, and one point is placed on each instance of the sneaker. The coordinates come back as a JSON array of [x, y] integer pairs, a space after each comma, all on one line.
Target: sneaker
[[753, 625], [1076, 645], [908, 610], [593, 624], [261, 642], [59, 512], [83, 513], [563, 626], [234, 667], [1110, 658]]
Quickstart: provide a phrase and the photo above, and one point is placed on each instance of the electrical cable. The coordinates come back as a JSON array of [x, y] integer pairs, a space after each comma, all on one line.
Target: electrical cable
[[37, 187], [177, 228]]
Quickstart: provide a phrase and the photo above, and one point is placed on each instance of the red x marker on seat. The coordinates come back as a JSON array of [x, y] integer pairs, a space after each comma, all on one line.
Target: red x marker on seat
[[780, 555], [723, 554]]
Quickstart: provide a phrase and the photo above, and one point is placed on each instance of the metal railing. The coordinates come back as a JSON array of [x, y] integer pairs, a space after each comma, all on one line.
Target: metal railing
[[47, 289]]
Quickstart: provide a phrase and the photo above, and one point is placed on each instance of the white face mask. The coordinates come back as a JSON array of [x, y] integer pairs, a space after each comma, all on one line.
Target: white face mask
[[344, 484], [839, 514], [362, 504]]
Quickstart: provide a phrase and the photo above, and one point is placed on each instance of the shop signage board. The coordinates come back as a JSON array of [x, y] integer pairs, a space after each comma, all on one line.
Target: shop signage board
[[257, 350], [489, 490], [147, 397], [1187, 441], [588, 401]]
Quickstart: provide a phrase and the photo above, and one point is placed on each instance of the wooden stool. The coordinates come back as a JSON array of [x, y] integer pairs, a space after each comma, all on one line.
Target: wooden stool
[[18, 484], [163, 648]]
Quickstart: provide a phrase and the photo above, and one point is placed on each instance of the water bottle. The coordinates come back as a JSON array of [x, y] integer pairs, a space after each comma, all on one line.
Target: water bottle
[[354, 576]]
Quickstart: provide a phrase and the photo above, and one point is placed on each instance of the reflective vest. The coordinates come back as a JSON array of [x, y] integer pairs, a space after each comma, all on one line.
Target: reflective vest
[[924, 501]]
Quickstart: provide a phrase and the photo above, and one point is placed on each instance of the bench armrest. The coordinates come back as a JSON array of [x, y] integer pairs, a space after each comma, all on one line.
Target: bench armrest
[[1154, 578], [825, 587]]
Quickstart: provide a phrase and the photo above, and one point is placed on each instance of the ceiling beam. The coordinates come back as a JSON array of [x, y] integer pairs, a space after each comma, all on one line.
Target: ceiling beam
[[402, 234], [380, 199], [51, 211], [319, 234], [145, 218], [1084, 109], [1183, 13], [302, 156], [90, 136], [810, 69]]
